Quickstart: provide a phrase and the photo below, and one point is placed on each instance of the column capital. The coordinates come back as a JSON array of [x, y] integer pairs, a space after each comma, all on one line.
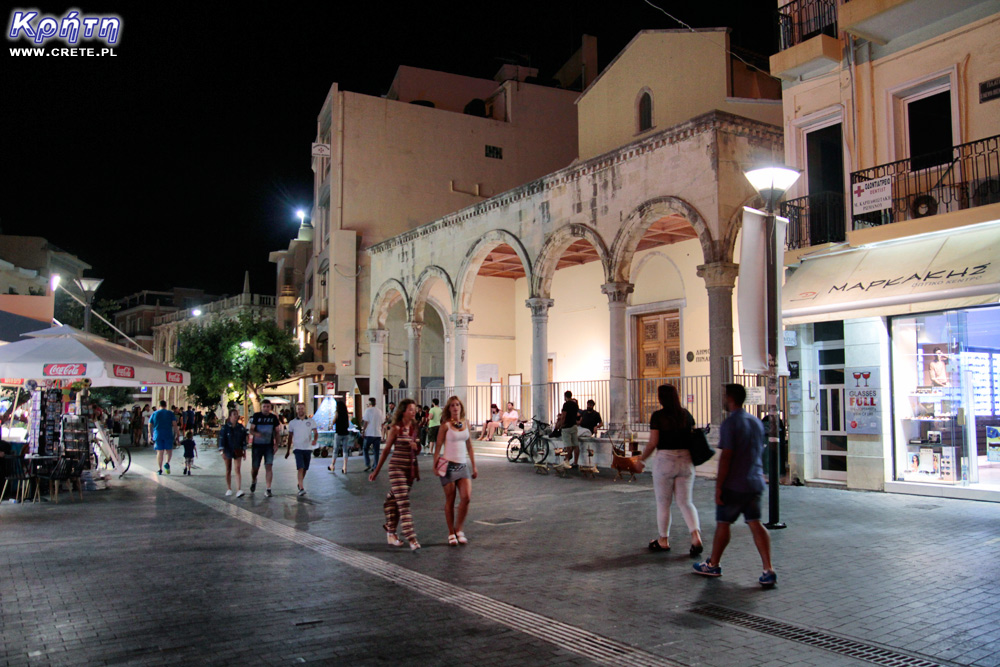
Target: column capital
[[539, 306], [461, 320], [378, 336], [413, 329], [719, 274], [617, 292]]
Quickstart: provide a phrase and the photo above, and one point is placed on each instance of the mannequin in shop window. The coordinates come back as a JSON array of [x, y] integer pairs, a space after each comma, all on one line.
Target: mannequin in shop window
[[938, 371]]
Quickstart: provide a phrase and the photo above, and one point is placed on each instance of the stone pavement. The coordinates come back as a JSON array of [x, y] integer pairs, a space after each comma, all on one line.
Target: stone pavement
[[169, 571]]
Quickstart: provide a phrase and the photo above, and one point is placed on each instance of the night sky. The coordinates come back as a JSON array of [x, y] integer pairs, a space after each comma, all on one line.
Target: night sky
[[181, 161]]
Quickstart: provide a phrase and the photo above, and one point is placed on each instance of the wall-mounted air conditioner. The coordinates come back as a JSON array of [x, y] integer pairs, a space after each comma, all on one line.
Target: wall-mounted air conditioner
[[942, 199]]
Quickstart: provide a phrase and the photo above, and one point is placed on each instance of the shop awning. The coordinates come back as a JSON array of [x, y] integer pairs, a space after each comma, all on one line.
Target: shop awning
[[944, 270]]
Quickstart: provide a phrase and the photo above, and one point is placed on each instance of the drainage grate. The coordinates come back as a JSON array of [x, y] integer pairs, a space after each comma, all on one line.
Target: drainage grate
[[505, 521], [849, 647]]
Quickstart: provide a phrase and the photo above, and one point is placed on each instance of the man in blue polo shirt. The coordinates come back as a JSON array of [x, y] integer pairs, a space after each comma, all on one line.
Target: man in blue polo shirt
[[163, 433], [739, 485]]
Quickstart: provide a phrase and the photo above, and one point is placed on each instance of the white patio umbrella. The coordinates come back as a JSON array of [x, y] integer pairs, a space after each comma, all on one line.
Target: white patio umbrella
[[65, 353]]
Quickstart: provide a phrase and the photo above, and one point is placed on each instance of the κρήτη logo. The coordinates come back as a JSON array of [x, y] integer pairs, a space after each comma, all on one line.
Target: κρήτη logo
[[71, 28]]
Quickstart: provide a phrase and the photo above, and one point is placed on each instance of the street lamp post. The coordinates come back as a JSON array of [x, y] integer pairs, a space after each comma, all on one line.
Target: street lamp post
[[88, 286], [772, 182]]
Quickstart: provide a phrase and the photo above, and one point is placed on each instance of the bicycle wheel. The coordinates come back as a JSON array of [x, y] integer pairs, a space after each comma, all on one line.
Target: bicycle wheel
[[514, 448], [539, 450], [125, 456]]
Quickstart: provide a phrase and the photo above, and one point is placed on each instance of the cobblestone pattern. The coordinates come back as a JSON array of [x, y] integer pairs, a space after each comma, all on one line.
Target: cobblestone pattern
[[183, 583]]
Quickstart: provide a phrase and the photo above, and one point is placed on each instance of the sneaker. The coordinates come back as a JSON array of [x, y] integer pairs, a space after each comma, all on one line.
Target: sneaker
[[159, 472], [268, 493], [302, 492], [229, 492], [768, 579], [166, 467], [239, 494], [708, 569], [253, 486]]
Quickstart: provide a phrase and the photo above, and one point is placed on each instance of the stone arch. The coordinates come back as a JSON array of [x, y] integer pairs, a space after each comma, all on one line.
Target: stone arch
[[391, 291], [641, 218], [555, 245], [661, 255], [421, 292], [474, 259], [735, 224]]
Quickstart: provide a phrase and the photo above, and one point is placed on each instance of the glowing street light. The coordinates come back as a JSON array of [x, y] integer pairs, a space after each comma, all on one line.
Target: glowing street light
[[302, 215], [247, 345], [196, 312], [772, 182], [54, 281]]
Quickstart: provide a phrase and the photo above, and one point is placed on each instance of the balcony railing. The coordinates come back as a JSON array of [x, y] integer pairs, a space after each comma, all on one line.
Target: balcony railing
[[814, 219], [964, 176], [801, 20], [220, 306]]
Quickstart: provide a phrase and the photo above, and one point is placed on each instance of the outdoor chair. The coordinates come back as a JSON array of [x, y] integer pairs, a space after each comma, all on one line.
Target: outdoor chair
[[58, 474], [16, 477]]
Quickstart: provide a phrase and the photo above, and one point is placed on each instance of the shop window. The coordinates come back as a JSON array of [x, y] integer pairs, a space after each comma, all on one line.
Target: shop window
[[827, 331], [929, 131], [946, 397]]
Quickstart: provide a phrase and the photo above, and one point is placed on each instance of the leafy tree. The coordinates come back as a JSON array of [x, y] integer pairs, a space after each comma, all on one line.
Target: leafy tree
[[112, 397], [70, 312], [246, 351]]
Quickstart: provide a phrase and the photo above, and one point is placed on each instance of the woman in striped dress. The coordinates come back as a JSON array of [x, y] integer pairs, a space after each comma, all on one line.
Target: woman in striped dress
[[402, 443]]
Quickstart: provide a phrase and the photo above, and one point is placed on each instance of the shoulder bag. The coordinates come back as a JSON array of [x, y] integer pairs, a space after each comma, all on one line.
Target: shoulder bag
[[698, 445]]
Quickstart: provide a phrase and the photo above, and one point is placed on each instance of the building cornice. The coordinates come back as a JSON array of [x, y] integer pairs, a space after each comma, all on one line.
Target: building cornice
[[711, 122]]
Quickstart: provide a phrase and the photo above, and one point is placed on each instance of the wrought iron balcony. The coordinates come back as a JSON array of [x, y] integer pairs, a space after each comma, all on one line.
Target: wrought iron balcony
[[801, 20], [814, 219], [964, 176]]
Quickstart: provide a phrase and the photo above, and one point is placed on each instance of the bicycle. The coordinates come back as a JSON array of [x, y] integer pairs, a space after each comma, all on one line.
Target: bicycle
[[119, 460], [531, 444]]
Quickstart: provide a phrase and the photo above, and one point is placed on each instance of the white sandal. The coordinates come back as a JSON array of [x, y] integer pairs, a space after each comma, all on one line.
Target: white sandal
[[453, 540], [460, 536], [393, 540]]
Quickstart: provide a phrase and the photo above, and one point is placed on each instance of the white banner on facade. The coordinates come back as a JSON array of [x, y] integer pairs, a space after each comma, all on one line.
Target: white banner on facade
[[873, 195], [321, 150], [751, 292]]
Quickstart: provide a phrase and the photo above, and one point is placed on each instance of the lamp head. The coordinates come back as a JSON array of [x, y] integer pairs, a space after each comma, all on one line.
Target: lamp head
[[772, 181], [54, 281], [196, 312], [88, 285], [247, 344], [302, 215]]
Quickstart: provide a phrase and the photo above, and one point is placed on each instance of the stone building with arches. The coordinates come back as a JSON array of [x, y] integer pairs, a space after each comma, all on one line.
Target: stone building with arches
[[618, 267]]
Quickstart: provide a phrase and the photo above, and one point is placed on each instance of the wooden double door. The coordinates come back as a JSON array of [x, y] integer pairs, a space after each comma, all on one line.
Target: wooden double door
[[659, 344]]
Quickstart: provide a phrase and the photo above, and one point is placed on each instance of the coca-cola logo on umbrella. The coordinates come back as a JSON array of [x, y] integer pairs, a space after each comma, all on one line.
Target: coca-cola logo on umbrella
[[124, 371], [176, 378], [64, 370]]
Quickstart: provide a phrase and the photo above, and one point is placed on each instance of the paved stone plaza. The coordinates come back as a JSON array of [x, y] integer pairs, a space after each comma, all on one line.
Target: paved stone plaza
[[168, 570]]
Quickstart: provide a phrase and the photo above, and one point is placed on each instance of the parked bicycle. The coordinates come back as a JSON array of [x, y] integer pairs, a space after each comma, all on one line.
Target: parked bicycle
[[102, 457], [530, 444]]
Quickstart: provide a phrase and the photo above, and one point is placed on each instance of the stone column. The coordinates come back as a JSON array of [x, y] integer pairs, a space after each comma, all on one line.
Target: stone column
[[539, 357], [449, 354], [376, 364], [720, 278], [617, 294], [460, 345], [413, 366]]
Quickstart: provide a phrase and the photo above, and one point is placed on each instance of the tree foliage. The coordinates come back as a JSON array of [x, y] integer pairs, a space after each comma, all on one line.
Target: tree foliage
[[215, 356], [110, 398], [69, 312]]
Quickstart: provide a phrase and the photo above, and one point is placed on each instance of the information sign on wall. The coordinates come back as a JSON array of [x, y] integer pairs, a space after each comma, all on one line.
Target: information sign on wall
[[756, 395], [872, 195], [863, 400], [992, 444], [989, 90]]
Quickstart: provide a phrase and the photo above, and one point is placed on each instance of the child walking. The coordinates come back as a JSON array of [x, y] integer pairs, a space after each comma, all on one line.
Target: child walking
[[190, 450]]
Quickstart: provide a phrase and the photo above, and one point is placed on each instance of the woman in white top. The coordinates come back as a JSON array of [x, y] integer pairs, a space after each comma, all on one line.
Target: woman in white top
[[454, 446]]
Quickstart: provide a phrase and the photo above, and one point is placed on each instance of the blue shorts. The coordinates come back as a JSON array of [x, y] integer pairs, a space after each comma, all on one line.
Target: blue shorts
[[302, 457], [259, 452], [165, 445], [736, 503]]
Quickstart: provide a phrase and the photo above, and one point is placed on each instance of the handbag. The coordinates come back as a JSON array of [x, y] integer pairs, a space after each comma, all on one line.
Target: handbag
[[441, 468], [698, 445]]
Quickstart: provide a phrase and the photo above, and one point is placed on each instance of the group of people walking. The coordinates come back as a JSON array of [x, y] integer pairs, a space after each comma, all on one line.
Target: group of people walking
[[739, 484]]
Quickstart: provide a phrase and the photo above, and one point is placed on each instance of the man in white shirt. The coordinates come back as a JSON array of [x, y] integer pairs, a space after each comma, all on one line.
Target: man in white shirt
[[303, 435], [371, 427]]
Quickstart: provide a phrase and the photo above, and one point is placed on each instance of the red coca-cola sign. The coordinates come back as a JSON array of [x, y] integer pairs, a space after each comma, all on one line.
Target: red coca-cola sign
[[124, 371], [64, 370], [177, 378], [12, 381]]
